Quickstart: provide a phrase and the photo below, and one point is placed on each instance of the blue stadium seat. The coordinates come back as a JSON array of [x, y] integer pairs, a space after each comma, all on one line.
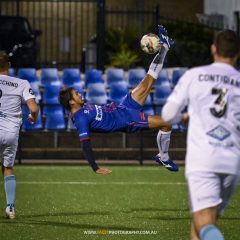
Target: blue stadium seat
[[27, 74], [26, 125], [118, 91], [50, 94], [72, 78], [160, 96], [177, 74], [93, 76], [162, 78], [54, 117], [49, 76], [11, 72], [30, 75], [114, 75], [135, 76], [148, 106], [96, 93]]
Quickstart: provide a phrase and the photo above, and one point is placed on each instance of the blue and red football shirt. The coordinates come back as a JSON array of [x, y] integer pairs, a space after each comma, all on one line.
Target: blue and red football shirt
[[126, 117]]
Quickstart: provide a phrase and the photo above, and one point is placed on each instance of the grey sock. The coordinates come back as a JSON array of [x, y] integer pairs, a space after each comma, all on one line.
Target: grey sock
[[157, 63], [163, 141]]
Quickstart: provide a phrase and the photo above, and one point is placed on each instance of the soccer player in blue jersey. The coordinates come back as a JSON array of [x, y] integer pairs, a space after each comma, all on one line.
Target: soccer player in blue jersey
[[128, 116]]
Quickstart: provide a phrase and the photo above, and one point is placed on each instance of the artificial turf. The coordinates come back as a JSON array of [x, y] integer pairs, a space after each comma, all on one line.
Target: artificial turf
[[71, 202]]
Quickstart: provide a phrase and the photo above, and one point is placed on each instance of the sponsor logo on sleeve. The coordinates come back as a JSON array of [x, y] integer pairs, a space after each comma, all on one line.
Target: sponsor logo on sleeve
[[99, 113], [31, 91], [83, 134]]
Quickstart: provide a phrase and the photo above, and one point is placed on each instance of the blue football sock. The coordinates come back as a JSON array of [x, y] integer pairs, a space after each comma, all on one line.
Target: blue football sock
[[10, 189], [210, 232]]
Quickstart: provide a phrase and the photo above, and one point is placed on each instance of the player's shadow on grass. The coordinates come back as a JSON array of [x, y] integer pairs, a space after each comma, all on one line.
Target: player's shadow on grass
[[168, 218], [157, 210], [63, 214], [162, 210], [68, 225]]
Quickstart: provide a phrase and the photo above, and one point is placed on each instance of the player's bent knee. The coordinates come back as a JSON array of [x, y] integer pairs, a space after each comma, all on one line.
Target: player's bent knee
[[156, 121], [166, 128]]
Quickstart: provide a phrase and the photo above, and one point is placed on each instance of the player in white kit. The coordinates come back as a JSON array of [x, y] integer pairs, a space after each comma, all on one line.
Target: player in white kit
[[12, 93], [212, 94]]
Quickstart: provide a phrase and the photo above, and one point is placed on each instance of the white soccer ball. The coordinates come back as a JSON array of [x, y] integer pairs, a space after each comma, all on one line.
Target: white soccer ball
[[150, 43]]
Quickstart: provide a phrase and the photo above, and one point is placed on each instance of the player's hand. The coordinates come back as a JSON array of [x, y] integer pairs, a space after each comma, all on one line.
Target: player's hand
[[185, 119], [31, 119], [103, 171]]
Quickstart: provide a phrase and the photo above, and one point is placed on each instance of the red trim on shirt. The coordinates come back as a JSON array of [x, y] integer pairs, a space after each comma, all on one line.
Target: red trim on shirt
[[142, 115], [70, 115], [84, 139]]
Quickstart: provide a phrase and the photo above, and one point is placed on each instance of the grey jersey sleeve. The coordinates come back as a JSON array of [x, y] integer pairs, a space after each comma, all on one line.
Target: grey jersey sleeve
[[27, 91], [171, 113], [177, 101]]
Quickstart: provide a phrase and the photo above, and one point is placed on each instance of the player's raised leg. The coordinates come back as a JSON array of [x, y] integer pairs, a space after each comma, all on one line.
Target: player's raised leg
[[163, 137], [140, 93]]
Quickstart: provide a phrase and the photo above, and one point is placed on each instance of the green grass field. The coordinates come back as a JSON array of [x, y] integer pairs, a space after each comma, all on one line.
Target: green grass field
[[63, 202]]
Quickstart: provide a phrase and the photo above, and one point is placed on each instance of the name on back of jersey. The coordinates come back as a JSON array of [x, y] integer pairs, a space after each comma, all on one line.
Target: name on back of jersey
[[219, 79]]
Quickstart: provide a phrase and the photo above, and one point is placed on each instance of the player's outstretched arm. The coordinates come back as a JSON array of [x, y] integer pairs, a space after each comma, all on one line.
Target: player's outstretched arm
[[88, 153]]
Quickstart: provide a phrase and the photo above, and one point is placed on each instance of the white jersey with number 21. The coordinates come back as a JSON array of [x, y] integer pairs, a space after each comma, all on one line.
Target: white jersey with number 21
[[212, 93]]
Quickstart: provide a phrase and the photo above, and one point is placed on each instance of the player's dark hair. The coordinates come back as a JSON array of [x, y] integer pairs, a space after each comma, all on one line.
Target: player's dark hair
[[227, 44], [65, 96], [4, 61]]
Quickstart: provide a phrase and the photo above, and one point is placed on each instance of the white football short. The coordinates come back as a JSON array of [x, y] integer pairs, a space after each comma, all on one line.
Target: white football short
[[209, 189], [8, 147]]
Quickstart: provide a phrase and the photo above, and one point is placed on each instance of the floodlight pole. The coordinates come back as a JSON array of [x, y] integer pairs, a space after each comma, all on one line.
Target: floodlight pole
[[18, 7], [157, 15], [101, 10], [236, 14]]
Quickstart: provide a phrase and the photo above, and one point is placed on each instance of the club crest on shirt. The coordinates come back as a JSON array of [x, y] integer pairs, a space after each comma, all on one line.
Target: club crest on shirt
[[220, 133]]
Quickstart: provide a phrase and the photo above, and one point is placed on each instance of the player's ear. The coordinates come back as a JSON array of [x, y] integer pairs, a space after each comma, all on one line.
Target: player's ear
[[213, 49], [71, 102]]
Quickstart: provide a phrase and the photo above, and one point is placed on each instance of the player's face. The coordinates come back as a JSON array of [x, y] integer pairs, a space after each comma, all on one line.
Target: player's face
[[77, 98]]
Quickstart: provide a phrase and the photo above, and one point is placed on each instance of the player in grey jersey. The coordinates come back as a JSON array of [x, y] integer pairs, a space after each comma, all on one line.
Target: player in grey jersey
[[212, 94], [13, 91]]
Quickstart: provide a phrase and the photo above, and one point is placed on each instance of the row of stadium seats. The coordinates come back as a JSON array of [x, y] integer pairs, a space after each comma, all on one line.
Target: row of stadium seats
[[94, 89], [73, 76]]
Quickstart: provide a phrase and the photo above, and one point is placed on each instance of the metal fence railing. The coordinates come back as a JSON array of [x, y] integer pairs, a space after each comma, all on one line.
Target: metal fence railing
[[74, 31]]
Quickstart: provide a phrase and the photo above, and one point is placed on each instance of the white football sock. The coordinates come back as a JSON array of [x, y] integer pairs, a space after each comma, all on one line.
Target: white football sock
[[157, 63], [163, 141]]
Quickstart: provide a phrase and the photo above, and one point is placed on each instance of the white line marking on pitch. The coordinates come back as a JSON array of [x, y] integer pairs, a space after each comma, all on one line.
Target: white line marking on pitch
[[99, 183], [83, 168]]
